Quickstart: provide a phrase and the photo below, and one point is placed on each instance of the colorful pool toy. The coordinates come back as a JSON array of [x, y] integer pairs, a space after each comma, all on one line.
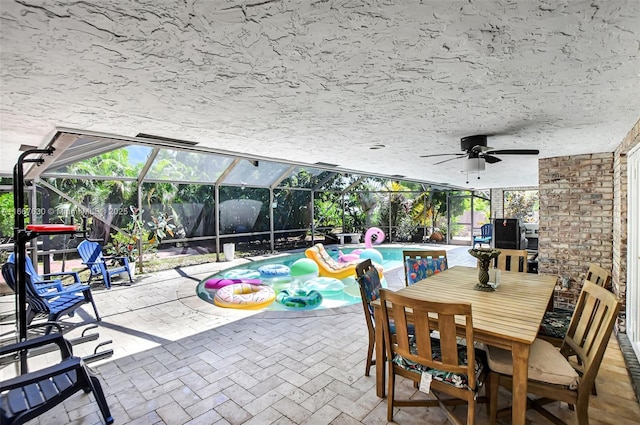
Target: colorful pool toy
[[304, 269], [325, 285], [244, 296], [216, 283], [273, 270], [241, 274], [299, 299]]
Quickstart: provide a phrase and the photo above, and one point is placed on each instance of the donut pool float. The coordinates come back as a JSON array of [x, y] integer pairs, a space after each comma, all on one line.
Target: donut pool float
[[300, 299], [274, 270], [220, 282], [244, 296], [325, 284]]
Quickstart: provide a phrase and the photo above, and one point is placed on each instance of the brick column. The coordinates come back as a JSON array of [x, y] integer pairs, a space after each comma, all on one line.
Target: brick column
[[576, 218]]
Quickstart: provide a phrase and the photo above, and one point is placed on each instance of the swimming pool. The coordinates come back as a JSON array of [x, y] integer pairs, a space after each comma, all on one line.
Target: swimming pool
[[331, 297]]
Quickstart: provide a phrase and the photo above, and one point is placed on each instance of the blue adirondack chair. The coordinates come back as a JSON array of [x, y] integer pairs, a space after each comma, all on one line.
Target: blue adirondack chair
[[44, 278], [33, 393], [51, 298], [485, 235], [91, 254]]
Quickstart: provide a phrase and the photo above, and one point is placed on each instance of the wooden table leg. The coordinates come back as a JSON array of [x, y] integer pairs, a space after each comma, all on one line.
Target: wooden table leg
[[520, 354], [381, 364]]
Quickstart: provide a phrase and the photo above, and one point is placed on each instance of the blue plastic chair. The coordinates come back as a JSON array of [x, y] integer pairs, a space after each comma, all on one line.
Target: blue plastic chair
[[50, 298], [43, 278], [91, 254], [33, 393], [485, 235]]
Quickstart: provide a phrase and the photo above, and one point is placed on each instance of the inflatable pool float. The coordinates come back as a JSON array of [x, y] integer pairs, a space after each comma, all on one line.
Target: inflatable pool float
[[325, 284], [304, 269], [244, 296], [348, 258], [241, 274], [273, 270], [220, 282], [299, 299]]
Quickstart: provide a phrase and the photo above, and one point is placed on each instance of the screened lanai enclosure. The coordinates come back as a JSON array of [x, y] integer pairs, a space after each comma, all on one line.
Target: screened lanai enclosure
[[146, 194]]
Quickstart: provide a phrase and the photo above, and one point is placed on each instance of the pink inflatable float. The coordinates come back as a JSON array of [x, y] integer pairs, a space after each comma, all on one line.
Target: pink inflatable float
[[355, 255], [220, 282]]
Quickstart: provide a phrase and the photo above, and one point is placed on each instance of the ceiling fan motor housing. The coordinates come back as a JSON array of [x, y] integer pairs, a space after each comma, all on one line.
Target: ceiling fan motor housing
[[467, 143]]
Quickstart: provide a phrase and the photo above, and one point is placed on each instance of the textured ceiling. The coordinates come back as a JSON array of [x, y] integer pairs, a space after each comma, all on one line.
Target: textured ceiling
[[327, 80]]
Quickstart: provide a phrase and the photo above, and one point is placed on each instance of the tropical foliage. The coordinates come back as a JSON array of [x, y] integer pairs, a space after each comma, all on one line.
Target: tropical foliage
[[6, 216], [178, 204], [522, 204]]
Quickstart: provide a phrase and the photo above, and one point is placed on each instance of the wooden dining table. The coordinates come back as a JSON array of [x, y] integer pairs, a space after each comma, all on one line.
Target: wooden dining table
[[507, 318]]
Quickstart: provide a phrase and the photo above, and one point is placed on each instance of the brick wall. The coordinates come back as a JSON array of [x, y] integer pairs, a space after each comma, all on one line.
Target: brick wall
[[583, 216], [619, 254], [576, 217]]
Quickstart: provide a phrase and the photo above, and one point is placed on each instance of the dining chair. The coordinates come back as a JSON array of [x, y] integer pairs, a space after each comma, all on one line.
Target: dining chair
[[555, 323], [420, 264], [448, 367], [512, 260], [598, 275], [551, 376], [370, 285]]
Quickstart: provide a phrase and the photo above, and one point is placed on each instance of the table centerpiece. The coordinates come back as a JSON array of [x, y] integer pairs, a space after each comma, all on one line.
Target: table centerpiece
[[484, 256]]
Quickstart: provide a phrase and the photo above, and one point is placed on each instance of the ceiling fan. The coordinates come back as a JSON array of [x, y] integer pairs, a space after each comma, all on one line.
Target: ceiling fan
[[477, 152]]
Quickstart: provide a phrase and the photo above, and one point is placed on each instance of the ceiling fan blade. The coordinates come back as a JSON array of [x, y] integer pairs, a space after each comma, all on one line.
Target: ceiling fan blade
[[491, 159], [514, 152], [450, 159], [440, 154]]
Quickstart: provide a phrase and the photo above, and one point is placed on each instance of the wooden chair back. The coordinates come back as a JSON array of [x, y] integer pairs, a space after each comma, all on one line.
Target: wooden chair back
[[513, 260], [589, 331], [409, 258], [368, 279], [397, 310], [411, 346], [598, 275]]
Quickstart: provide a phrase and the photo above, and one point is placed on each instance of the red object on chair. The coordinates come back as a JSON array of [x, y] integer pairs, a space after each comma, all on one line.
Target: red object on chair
[[51, 228]]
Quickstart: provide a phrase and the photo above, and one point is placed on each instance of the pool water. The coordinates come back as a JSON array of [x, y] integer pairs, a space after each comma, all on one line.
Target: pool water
[[391, 259]]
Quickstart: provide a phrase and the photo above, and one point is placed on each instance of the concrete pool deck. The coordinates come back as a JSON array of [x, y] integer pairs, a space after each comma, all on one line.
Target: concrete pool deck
[[180, 360]]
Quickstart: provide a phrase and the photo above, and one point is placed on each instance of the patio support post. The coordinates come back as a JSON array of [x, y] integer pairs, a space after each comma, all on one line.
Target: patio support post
[[139, 241], [313, 218], [342, 201], [271, 221], [143, 173], [473, 218], [216, 219], [448, 216], [390, 220]]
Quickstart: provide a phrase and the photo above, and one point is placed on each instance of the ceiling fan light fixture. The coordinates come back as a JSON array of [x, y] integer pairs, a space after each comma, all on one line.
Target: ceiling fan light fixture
[[473, 164]]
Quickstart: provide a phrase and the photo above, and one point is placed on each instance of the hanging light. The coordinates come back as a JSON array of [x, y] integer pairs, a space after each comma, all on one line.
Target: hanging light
[[473, 164]]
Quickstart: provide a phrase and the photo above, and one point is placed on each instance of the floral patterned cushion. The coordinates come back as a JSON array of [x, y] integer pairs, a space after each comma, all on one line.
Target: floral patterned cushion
[[422, 268], [555, 323], [370, 283], [457, 380]]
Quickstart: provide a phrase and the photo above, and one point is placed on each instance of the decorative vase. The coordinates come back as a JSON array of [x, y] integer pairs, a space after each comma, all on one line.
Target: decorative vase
[[484, 256]]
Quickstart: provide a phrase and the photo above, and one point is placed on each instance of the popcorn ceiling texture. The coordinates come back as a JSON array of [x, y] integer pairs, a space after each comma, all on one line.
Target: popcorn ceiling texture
[[326, 80]]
